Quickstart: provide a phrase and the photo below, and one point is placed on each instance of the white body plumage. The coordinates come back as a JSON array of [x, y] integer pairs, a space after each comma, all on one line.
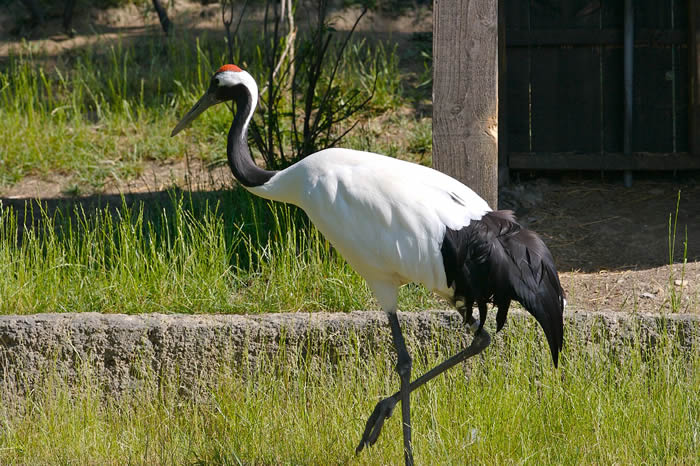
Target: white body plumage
[[387, 217]]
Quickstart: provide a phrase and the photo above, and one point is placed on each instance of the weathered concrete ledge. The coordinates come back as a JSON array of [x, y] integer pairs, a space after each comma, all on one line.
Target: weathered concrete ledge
[[123, 351]]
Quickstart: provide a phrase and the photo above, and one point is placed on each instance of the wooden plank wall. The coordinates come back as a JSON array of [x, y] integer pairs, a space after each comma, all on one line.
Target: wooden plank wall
[[660, 82], [613, 88], [565, 87], [694, 59], [517, 78], [565, 82]]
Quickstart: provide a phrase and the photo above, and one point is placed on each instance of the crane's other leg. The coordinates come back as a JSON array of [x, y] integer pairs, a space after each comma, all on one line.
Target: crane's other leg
[[387, 294], [403, 367], [386, 406], [465, 308]]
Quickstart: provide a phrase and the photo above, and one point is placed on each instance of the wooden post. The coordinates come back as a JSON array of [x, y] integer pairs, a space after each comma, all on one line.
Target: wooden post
[[694, 67], [465, 93]]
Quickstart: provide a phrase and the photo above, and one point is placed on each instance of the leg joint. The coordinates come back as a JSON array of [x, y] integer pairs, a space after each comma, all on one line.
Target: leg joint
[[404, 364]]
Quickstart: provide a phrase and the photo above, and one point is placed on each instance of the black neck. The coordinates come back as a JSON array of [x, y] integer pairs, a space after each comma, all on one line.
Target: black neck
[[237, 150]]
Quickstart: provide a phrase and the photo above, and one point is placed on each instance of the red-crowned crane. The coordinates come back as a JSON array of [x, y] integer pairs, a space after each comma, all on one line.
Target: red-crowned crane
[[396, 222]]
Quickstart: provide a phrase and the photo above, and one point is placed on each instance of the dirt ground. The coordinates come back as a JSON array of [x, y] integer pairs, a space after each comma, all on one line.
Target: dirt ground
[[611, 243]]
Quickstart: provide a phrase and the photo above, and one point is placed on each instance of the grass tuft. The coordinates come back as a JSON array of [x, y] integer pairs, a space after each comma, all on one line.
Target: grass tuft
[[675, 286], [225, 252]]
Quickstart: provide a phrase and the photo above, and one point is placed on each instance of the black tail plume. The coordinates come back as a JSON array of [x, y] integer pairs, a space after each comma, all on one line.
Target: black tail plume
[[495, 259]]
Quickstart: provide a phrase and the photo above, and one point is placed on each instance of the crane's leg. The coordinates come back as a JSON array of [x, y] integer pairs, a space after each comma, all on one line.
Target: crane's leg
[[387, 293], [386, 406], [403, 367], [465, 308]]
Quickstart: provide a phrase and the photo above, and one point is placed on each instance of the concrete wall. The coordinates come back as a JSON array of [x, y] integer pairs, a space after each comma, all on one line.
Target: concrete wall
[[125, 351]]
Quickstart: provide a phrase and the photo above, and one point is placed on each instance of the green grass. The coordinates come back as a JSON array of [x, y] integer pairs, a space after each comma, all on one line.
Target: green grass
[[100, 112], [400, 136], [225, 252], [364, 63], [627, 405], [104, 109]]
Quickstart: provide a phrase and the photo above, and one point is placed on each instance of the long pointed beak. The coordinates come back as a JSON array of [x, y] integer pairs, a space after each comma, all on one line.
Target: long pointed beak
[[202, 104]]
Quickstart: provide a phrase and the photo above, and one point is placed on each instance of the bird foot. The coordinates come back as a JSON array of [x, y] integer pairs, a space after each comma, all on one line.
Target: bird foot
[[374, 425]]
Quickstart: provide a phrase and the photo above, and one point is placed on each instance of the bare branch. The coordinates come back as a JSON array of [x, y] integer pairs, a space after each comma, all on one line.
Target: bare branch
[[227, 5], [338, 58], [305, 120]]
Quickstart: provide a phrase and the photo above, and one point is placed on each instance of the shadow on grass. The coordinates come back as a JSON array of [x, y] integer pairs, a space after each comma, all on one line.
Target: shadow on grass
[[161, 211], [590, 224]]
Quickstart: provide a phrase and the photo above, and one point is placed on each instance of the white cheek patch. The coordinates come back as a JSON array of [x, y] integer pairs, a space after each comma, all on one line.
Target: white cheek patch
[[229, 78]]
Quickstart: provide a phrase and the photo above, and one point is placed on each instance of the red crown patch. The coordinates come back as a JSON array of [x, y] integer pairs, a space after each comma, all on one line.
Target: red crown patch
[[229, 68]]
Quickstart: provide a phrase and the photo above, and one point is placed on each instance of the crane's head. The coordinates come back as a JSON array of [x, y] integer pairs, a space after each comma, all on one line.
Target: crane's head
[[227, 83]]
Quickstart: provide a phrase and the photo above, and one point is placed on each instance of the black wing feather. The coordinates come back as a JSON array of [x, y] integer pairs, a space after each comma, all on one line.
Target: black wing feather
[[495, 259]]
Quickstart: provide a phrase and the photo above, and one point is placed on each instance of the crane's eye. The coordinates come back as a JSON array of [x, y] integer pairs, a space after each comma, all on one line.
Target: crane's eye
[[216, 81]]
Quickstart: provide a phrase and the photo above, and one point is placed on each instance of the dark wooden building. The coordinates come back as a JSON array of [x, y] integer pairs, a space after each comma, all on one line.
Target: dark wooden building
[[564, 100], [581, 85]]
